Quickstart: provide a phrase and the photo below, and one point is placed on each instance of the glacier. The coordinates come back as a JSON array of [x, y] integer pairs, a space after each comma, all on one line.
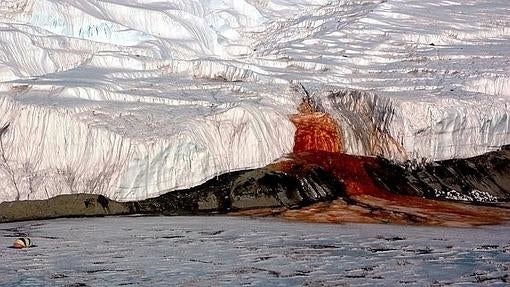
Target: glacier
[[133, 100]]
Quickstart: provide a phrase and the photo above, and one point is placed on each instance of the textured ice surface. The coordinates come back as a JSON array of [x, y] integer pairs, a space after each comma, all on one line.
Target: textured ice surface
[[134, 100], [230, 251]]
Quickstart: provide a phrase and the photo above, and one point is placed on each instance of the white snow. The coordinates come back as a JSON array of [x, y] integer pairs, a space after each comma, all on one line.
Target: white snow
[[134, 99], [473, 195]]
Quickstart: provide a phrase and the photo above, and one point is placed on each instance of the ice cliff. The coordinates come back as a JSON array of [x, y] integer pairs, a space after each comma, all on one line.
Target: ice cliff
[[135, 99]]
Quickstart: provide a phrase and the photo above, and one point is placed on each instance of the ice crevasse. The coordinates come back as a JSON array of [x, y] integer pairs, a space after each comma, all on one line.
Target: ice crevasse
[[132, 100]]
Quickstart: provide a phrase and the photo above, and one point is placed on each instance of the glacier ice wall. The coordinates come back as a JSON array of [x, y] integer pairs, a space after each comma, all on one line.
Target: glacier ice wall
[[450, 128], [130, 150], [135, 99]]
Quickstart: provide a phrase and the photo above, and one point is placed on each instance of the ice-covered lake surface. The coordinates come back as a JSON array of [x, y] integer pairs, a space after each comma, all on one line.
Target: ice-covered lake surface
[[234, 251]]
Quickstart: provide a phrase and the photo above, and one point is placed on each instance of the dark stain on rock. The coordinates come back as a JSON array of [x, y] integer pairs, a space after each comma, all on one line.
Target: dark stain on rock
[[252, 189], [89, 202], [479, 179], [103, 201]]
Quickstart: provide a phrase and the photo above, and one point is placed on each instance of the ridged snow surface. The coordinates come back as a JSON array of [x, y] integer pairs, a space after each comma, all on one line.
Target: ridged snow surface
[[132, 99]]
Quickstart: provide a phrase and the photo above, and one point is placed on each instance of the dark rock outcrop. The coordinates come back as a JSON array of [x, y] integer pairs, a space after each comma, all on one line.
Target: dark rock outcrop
[[235, 191], [69, 205], [382, 188], [258, 188], [484, 178]]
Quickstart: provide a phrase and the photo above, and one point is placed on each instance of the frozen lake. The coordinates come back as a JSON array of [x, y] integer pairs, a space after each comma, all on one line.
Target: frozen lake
[[235, 251]]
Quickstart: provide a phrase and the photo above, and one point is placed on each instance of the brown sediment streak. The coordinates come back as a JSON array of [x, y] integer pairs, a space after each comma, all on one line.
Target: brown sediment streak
[[317, 143], [315, 131], [370, 203]]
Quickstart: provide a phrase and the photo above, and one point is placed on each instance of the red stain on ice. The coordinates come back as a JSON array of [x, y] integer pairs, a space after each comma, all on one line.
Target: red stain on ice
[[316, 131], [318, 143]]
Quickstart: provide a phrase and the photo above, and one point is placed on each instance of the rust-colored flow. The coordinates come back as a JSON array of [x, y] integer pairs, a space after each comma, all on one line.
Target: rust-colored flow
[[318, 143], [315, 131], [367, 202]]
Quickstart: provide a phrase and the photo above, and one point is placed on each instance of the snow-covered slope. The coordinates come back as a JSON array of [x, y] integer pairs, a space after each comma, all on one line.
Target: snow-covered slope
[[132, 99]]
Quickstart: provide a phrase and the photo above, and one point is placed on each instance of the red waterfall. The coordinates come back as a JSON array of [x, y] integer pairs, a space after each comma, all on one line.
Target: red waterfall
[[318, 142]]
